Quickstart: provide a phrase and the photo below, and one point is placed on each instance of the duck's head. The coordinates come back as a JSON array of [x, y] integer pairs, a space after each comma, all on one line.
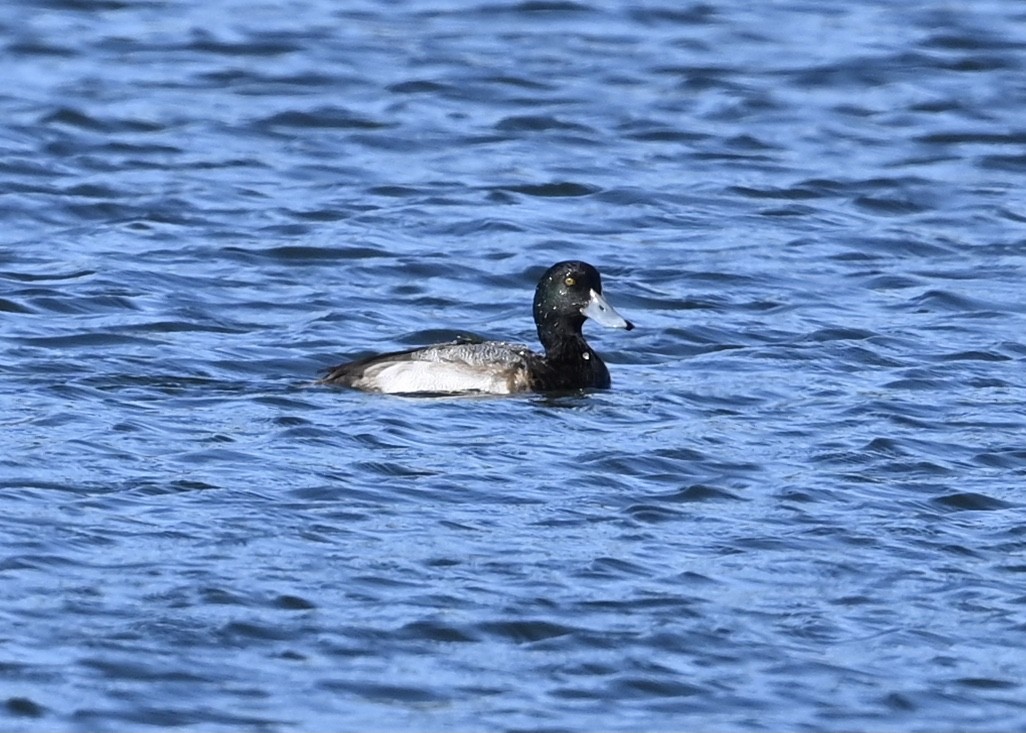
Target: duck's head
[[568, 294]]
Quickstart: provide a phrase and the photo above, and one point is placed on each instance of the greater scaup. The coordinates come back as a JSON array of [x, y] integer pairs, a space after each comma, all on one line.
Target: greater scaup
[[567, 294]]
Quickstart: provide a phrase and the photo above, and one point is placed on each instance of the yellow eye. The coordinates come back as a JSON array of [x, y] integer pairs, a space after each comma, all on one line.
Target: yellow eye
[[569, 282]]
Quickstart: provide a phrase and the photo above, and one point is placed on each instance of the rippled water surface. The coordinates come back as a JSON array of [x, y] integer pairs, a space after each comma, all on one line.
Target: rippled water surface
[[799, 508]]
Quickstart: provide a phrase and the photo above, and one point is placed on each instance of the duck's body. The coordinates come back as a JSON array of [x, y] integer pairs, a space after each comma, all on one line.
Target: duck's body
[[493, 367], [568, 294]]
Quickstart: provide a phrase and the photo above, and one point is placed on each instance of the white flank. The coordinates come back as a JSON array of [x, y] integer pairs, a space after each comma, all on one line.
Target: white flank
[[431, 376]]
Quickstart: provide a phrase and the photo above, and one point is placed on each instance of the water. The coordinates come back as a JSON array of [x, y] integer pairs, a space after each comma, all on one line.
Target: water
[[798, 508]]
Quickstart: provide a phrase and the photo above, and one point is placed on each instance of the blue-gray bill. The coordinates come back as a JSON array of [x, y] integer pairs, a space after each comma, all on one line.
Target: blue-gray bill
[[599, 310]]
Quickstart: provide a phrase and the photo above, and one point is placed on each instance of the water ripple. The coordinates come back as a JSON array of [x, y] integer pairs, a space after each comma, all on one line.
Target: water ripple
[[797, 506]]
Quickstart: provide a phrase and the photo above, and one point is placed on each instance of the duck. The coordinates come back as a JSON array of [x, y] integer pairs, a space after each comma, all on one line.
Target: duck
[[568, 294]]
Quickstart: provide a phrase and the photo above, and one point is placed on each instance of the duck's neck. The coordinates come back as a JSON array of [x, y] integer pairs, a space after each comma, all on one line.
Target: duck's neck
[[562, 339], [570, 348], [571, 364]]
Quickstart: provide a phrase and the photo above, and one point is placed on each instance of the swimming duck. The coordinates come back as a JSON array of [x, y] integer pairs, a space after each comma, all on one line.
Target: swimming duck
[[567, 294]]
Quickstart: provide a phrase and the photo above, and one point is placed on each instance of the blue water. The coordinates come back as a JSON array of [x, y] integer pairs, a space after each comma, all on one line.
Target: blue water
[[799, 508]]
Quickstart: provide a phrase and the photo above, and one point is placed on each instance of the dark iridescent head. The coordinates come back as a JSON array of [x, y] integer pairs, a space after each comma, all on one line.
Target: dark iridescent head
[[568, 294]]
